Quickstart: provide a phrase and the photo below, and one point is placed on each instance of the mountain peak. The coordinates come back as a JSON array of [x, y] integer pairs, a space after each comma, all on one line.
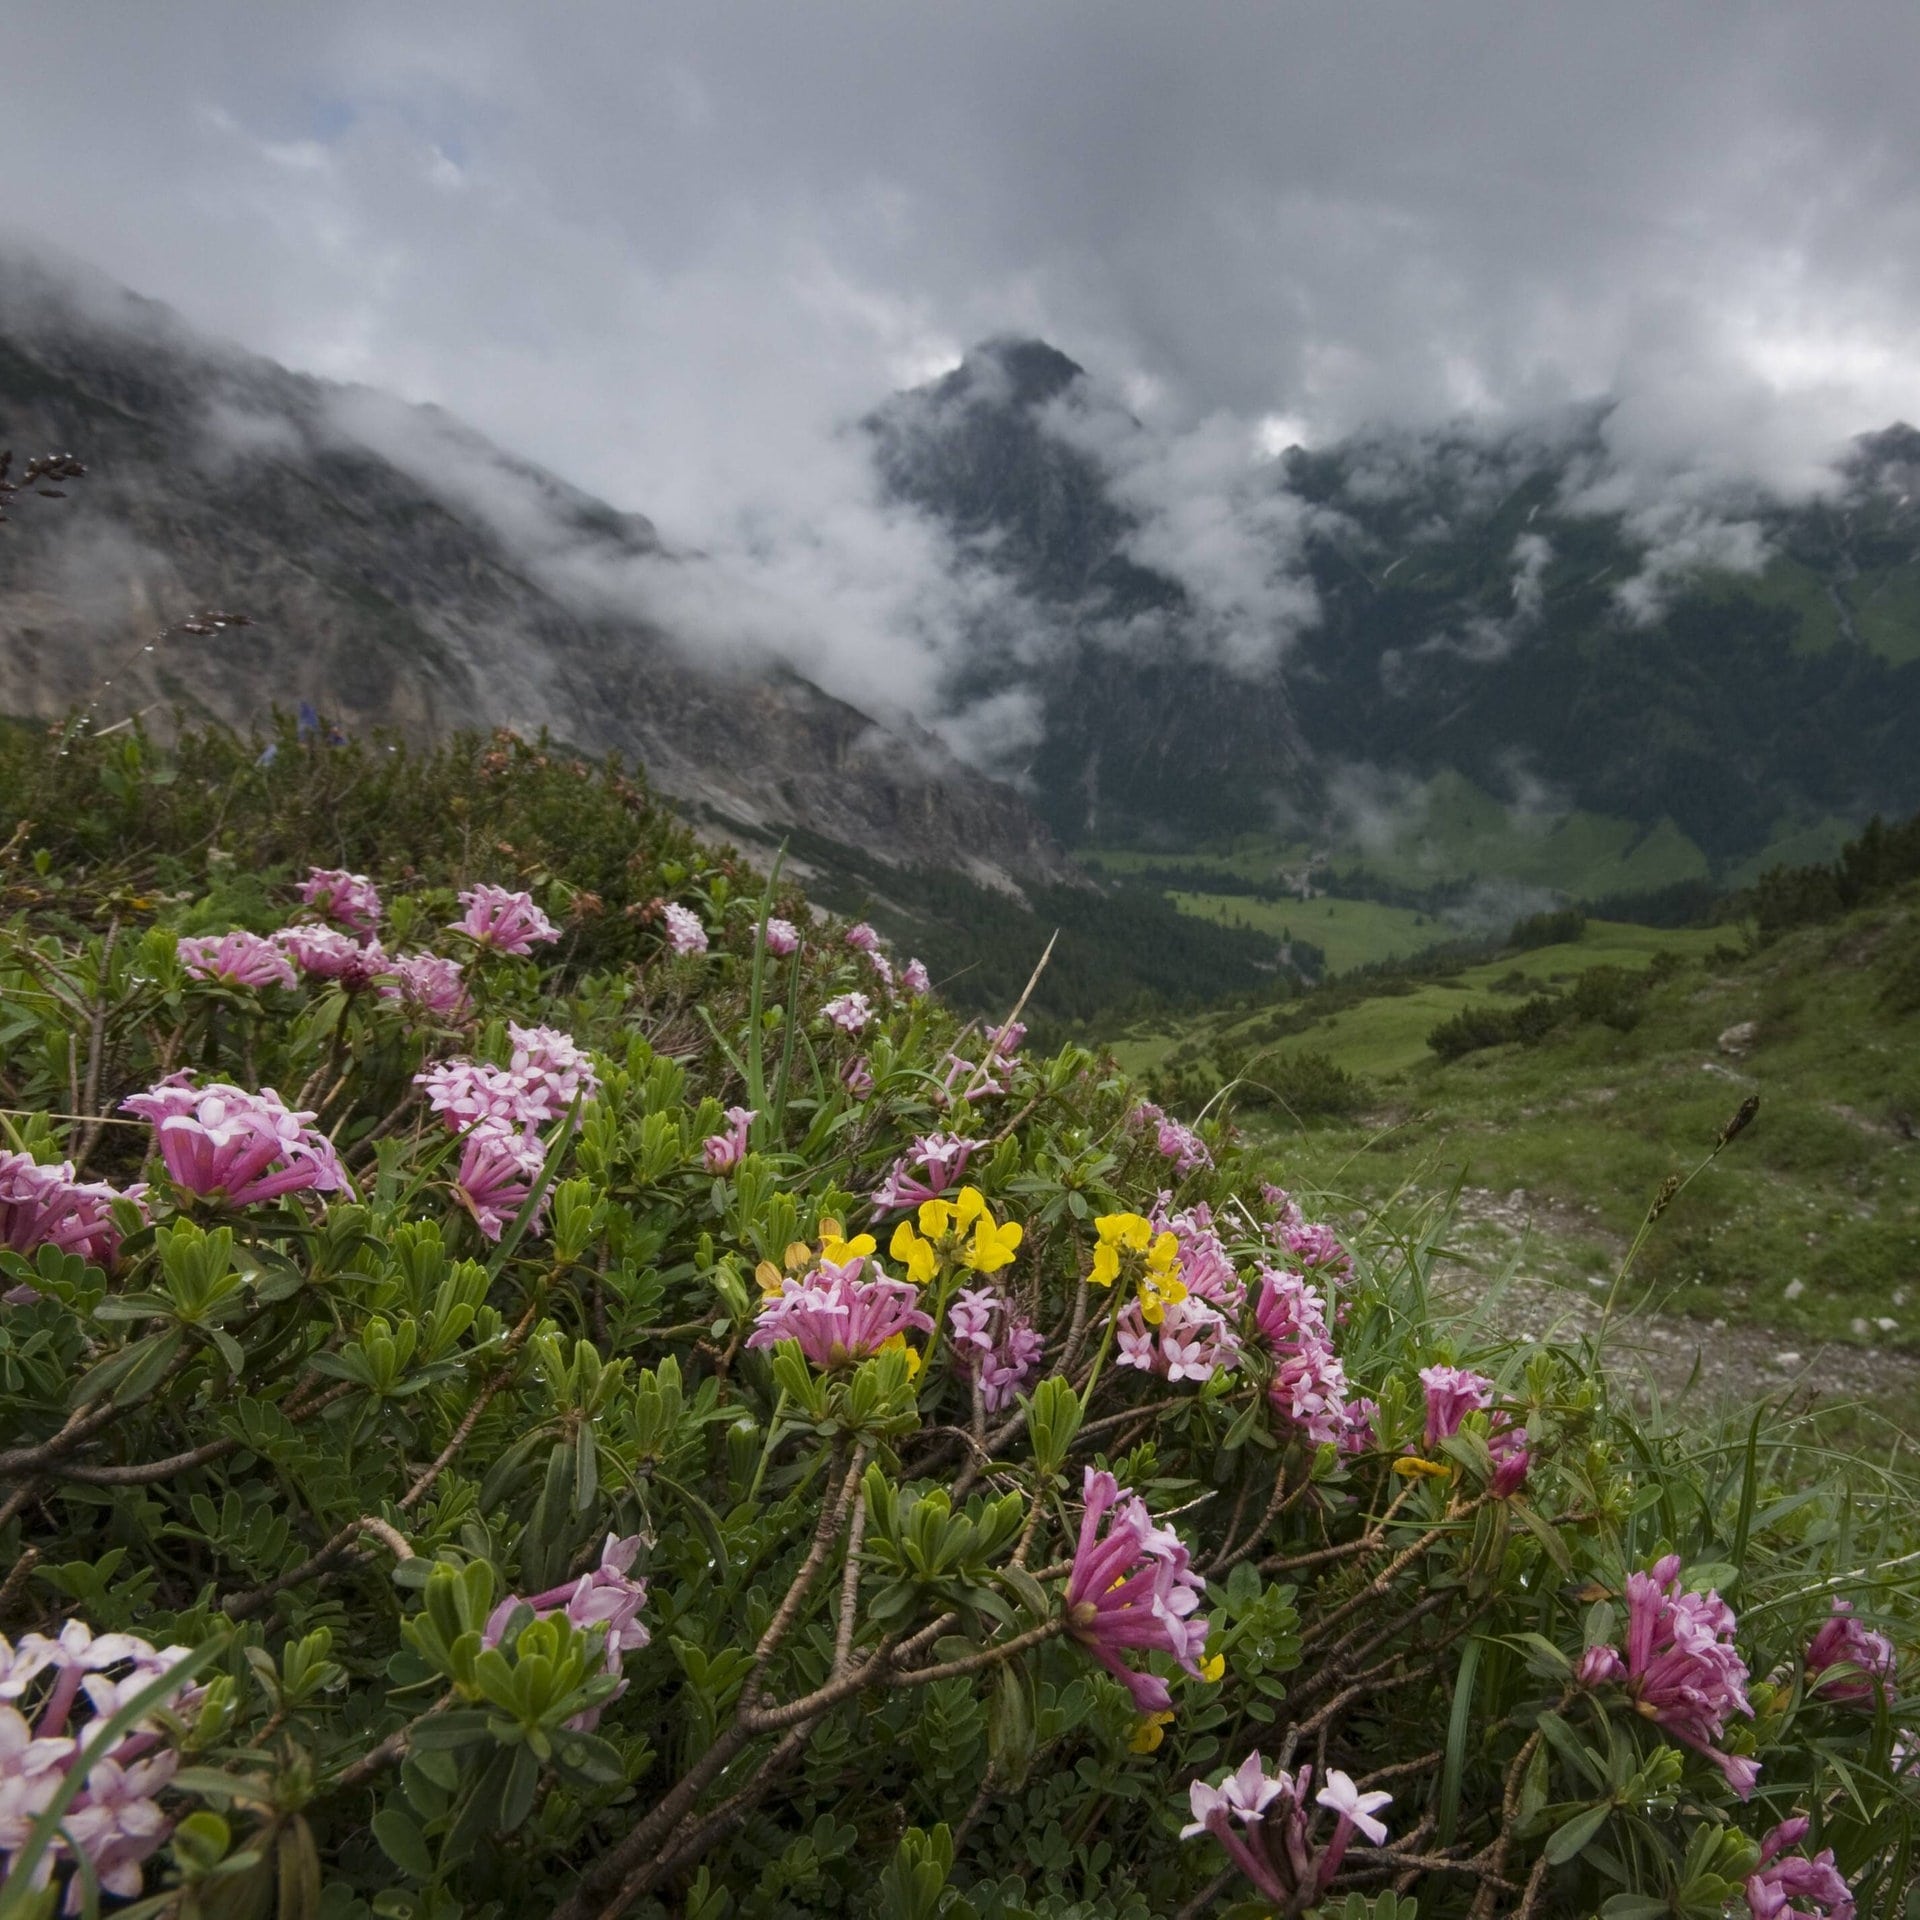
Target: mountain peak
[[1019, 372]]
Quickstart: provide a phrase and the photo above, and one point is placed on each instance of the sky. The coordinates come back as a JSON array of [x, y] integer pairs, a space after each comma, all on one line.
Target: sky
[[672, 250]]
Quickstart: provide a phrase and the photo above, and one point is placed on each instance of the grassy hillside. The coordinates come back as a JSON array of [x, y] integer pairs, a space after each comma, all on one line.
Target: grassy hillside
[[1809, 1223]]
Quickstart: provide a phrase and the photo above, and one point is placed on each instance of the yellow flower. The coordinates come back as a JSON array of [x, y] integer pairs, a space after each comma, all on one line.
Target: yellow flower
[[915, 1254], [1149, 1733], [1118, 1232], [770, 1277], [993, 1247], [836, 1251], [1411, 1467], [1163, 1257], [1211, 1670], [898, 1344], [798, 1256]]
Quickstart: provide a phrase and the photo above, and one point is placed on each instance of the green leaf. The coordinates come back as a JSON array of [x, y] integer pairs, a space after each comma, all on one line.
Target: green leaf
[[403, 1843], [1569, 1839]]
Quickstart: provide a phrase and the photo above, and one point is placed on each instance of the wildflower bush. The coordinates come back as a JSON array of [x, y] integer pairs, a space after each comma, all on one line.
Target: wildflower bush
[[541, 1378]]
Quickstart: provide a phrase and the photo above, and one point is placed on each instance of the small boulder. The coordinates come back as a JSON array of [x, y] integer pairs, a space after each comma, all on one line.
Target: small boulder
[[1738, 1038]]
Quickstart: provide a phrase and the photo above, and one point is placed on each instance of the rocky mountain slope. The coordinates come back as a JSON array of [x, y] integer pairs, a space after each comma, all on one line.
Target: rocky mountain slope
[[1503, 606], [399, 570]]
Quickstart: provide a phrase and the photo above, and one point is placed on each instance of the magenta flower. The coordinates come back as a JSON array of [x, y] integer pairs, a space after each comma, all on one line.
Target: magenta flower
[[1276, 1852], [1193, 1340], [1007, 1040], [857, 1077], [504, 922], [862, 938], [838, 1316], [1182, 1146], [1511, 1458], [882, 971], [427, 984], [914, 977], [1851, 1664], [685, 934], [782, 936], [943, 1156], [45, 1206], [497, 1170], [1309, 1384], [1680, 1667], [850, 1013], [552, 1068], [608, 1597], [725, 1151], [1206, 1267], [349, 900], [1132, 1589], [1452, 1394], [992, 1344], [1313, 1246], [1794, 1885], [236, 959], [222, 1143], [325, 953]]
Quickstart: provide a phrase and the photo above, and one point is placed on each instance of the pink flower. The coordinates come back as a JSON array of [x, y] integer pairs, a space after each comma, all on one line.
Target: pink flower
[[1309, 1385], [850, 1013], [943, 1155], [1275, 1852], [467, 1092], [504, 922], [552, 1068], [608, 1597], [427, 984], [349, 900], [116, 1821], [497, 1170], [45, 1206], [685, 934], [223, 1143], [992, 1344], [1794, 1885], [1132, 1589], [325, 953], [1680, 1666], [882, 971], [1854, 1665], [1205, 1265], [725, 1151], [1452, 1394], [1182, 1146], [838, 1316], [782, 936], [862, 938], [1193, 1340], [236, 959], [914, 977], [1511, 1459], [1007, 1040], [1313, 1246], [857, 1077]]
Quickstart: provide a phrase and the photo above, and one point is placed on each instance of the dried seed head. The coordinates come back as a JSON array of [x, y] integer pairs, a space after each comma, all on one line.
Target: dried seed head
[[1742, 1120]]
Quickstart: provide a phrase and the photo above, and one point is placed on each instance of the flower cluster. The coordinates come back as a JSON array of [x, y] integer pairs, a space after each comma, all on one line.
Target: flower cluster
[[1173, 1138], [783, 937], [1787, 1886], [609, 1597], [504, 921], [838, 1314], [1680, 1667], [222, 1143], [44, 1206], [915, 979], [325, 953], [685, 934], [943, 1159], [1311, 1244], [960, 1232], [992, 1344], [1309, 1385], [426, 983], [862, 938], [115, 1820], [348, 900], [1452, 1394], [1276, 1851], [1853, 1665], [724, 1151], [236, 959], [1184, 1331], [850, 1012], [1132, 1589]]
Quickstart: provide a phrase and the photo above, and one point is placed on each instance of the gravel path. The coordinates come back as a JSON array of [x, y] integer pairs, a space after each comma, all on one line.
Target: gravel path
[[1711, 1363]]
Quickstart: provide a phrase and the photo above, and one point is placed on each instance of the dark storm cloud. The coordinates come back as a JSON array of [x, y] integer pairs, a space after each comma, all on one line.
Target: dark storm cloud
[[672, 250]]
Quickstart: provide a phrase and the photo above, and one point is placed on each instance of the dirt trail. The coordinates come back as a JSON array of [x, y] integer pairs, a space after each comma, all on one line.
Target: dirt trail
[[1712, 1363]]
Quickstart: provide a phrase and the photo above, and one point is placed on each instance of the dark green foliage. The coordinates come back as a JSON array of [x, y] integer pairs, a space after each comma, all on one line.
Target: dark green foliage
[[1561, 927], [1610, 996], [1866, 870]]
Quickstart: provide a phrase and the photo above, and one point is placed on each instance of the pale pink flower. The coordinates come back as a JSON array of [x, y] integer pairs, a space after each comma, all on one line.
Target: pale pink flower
[[838, 1316], [1182, 1146], [685, 934], [428, 984], [45, 1206], [552, 1068], [1007, 1040], [862, 938], [223, 1143], [1275, 1850], [236, 959], [467, 1092], [857, 1077], [325, 953], [850, 1012], [1193, 1340], [1794, 1887], [914, 977], [505, 922], [882, 970], [1309, 1384], [1850, 1664], [993, 1344], [349, 900], [1132, 1589], [497, 1170], [782, 936], [725, 1151], [609, 1597], [117, 1823], [944, 1157]]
